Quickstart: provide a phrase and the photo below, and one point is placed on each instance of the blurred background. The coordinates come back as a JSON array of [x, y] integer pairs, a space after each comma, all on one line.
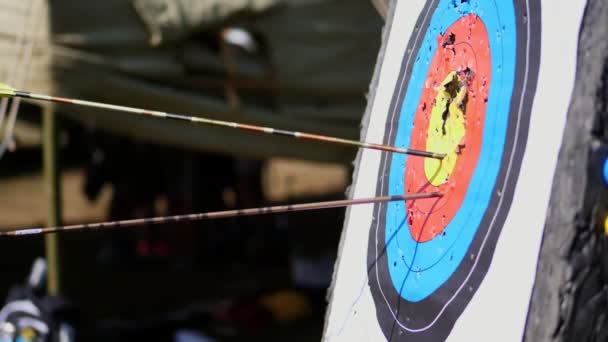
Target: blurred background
[[302, 65]]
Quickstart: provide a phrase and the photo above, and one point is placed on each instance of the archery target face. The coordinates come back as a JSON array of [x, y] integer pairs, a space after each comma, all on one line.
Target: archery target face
[[465, 84], [463, 96]]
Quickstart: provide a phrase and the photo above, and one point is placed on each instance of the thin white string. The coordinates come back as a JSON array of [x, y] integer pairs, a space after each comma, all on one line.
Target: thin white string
[[17, 46], [19, 74]]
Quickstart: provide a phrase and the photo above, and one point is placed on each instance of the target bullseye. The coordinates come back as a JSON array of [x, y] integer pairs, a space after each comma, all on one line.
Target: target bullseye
[[446, 128]]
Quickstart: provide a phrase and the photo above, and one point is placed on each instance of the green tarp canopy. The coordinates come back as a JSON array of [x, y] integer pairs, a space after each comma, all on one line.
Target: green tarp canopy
[[310, 70]]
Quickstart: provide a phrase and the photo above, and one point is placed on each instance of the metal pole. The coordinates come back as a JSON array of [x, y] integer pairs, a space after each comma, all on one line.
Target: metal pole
[[53, 195]]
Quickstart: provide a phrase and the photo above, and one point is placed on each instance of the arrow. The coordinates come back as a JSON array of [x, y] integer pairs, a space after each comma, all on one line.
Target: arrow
[[219, 214], [7, 91]]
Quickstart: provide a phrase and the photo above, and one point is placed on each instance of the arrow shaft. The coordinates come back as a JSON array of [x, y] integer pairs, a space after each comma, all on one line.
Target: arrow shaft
[[219, 214], [229, 124]]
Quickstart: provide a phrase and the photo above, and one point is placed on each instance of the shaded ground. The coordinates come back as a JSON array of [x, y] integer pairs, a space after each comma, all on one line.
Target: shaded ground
[[149, 289], [139, 288]]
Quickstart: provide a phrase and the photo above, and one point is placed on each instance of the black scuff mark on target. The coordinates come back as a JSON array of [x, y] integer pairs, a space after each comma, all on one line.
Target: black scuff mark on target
[[449, 41]]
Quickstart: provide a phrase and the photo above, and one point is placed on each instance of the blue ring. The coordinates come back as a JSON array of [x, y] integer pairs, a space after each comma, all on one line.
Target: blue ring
[[605, 170], [419, 269]]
